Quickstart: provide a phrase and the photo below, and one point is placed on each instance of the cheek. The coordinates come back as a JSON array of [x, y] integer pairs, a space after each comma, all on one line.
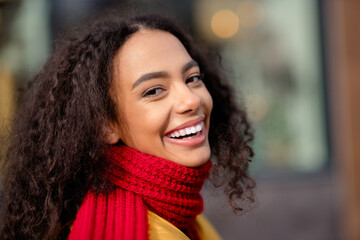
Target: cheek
[[146, 122]]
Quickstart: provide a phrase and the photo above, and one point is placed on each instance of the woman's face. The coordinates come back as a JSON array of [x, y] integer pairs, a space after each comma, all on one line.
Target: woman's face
[[164, 107]]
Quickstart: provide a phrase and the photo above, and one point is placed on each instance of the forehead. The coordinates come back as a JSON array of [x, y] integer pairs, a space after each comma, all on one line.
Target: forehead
[[150, 51], [147, 41]]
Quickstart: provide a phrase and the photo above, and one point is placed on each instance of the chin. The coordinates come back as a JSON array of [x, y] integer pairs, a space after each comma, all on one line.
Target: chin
[[196, 158]]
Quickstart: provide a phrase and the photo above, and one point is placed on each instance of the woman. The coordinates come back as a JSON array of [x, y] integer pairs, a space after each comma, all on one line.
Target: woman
[[113, 139]]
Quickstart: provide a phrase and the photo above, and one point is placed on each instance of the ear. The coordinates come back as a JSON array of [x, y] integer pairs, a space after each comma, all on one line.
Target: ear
[[111, 135]]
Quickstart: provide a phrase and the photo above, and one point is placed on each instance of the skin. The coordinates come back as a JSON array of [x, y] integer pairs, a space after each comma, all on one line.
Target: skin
[[150, 108]]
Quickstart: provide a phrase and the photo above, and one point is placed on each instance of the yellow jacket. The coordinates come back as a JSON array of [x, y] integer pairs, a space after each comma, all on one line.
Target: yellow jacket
[[160, 229]]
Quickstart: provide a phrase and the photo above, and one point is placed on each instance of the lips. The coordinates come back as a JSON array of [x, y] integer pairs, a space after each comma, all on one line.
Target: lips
[[189, 134]]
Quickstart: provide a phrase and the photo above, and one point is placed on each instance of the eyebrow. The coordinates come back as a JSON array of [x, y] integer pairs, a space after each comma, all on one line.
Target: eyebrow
[[189, 65], [153, 75]]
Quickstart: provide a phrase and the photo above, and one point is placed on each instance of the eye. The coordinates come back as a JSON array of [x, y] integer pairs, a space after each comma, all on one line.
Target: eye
[[152, 92], [195, 79]]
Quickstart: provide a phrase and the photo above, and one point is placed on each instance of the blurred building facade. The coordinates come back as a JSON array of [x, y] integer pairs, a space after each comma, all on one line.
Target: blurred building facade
[[294, 67]]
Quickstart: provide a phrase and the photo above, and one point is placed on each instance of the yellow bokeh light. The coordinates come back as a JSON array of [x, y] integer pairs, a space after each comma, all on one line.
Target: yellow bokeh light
[[251, 14], [225, 23]]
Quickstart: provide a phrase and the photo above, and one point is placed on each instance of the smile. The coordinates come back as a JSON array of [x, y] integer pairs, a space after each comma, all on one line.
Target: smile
[[191, 135], [187, 132]]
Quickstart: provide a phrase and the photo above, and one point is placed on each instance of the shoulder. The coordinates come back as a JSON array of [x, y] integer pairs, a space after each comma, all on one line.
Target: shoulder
[[205, 229], [159, 228]]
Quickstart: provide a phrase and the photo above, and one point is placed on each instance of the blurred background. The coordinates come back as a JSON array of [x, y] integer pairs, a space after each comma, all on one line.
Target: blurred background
[[294, 65]]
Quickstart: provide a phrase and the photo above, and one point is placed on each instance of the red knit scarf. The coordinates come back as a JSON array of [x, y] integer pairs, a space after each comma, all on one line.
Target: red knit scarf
[[145, 182]]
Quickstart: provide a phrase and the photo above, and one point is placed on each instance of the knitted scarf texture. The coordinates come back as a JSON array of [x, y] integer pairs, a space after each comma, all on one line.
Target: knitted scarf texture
[[144, 182]]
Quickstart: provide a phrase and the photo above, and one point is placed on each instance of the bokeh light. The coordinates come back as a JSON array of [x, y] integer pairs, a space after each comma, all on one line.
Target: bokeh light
[[225, 23]]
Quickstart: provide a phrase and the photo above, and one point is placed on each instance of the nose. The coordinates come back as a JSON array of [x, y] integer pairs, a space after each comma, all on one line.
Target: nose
[[186, 100]]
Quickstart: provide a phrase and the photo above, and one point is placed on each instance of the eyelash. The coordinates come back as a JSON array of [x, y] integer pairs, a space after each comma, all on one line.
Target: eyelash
[[152, 92], [199, 77], [148, 92]]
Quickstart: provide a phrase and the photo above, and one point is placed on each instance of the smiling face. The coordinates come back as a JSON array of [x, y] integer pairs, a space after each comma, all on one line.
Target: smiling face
[[164, 107]]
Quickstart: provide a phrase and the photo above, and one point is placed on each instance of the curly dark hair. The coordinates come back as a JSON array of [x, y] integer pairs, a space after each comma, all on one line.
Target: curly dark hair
[[57, 147]]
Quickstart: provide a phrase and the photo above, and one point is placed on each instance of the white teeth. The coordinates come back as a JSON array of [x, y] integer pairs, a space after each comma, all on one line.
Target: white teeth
[[187, 131]]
